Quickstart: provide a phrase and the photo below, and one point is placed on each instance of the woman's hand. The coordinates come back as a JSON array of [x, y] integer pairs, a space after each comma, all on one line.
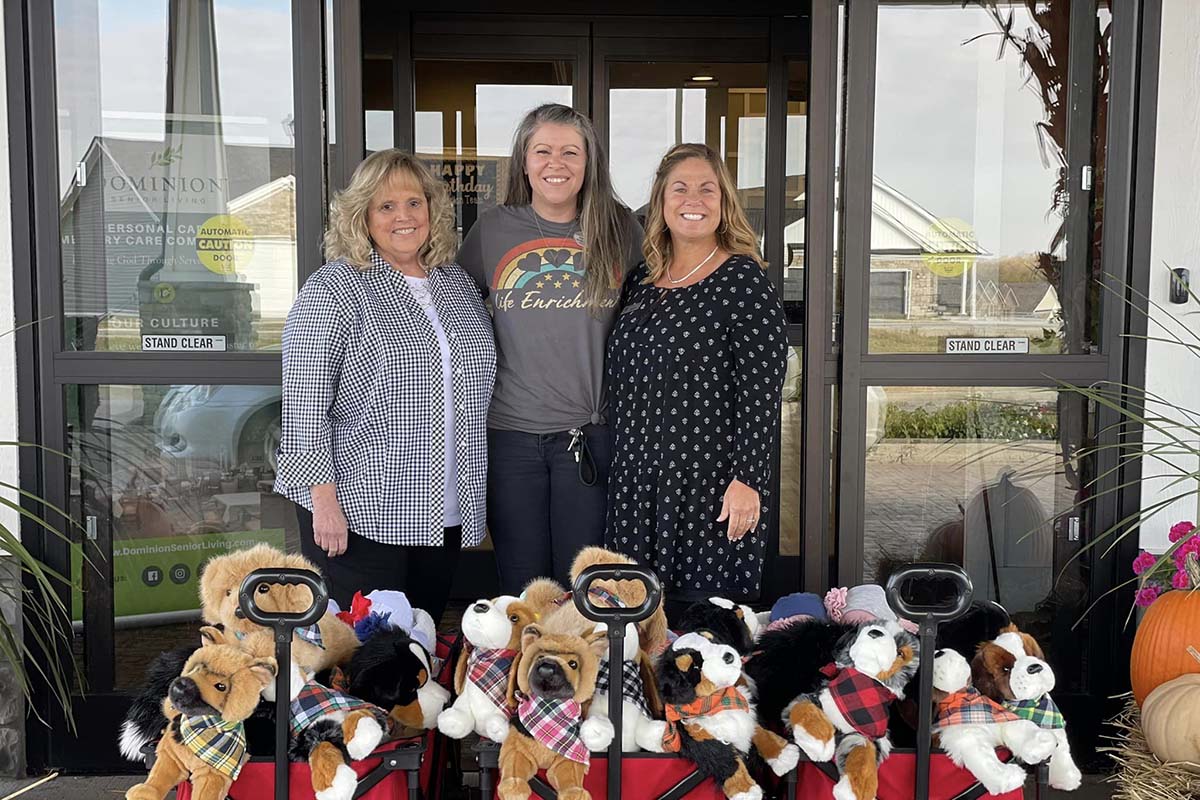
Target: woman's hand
[[330, 529], [740, 506]]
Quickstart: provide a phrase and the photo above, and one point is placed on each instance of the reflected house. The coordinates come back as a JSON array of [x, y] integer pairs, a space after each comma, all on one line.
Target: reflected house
[[113, 230], [922, 265]]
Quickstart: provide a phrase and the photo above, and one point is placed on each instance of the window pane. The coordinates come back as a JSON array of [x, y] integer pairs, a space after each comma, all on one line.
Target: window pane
[[795, 154], [175, 174], [183, 473], [654, 106], [467, 113], [790, 454], [977, 477], [967, 229]]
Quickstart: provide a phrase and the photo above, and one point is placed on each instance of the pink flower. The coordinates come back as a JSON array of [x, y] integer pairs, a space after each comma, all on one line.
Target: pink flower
[[835, 602], [1147, 594], [1190, 546], [1180, 530], [1180, 580], [1143, 562]]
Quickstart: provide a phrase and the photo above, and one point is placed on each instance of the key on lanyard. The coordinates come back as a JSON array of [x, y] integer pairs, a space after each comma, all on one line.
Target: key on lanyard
[[576, 441]]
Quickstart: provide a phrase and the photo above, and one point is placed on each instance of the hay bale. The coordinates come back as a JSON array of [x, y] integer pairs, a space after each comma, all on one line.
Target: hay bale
[[1140, 775]]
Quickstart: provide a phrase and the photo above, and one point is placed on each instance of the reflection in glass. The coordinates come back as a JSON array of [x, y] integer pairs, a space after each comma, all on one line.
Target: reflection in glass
[[175, 174], [466, 115], [977, 477], [654, 106], [969, 205], [183, 473], [795, 153], [791, 436]]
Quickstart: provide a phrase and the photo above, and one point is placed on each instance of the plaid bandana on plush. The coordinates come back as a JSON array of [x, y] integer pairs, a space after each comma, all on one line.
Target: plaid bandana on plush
[[312, 635], [555, 724], [969, 707], [219, 744], [862, 700], [1043, 713], [728, 699], [488, 670], [317, 702], [633, 688]]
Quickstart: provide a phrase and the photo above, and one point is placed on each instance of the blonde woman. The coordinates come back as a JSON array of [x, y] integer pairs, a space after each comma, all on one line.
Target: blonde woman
[[551, 260], [696, 364], [388, 364]]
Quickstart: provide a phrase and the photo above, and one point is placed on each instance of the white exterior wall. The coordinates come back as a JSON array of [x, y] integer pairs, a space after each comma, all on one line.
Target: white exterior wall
[[1175, 242], [8, 356]]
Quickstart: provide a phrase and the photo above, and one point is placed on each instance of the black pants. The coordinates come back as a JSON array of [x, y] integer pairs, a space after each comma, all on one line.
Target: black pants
[[539, 511], [424, 574]]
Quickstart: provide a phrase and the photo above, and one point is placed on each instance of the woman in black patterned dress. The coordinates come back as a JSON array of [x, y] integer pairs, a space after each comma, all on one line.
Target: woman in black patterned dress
[[696, 365]]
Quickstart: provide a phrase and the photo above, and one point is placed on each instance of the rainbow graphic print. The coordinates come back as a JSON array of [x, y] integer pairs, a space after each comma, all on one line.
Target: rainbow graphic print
[[548, 264]]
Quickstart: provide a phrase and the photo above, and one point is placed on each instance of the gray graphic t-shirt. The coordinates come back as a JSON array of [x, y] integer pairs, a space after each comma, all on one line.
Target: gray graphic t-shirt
[[550, 346]]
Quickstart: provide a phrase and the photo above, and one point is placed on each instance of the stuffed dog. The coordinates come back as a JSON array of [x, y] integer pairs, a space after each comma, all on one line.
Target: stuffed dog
[[710, 717], [734, 625], [393, 671], [561, 615], [971, 726], [206, 706], [550, 687], [491, 631], [847, 719], [1012, 670], [318, 647], [640, 702]]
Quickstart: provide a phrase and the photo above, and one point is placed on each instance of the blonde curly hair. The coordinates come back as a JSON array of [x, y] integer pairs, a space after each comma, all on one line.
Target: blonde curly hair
[[347, 236]]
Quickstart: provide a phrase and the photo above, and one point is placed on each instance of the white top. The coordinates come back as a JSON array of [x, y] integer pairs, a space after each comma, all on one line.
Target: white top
[[451, 510]]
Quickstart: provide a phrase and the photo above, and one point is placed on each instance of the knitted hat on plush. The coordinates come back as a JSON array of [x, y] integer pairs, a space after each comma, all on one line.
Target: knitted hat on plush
[[868, 602], [798, 603]]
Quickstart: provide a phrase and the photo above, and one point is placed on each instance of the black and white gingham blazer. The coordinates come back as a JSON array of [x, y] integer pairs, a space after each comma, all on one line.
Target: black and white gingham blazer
[[362, 400]]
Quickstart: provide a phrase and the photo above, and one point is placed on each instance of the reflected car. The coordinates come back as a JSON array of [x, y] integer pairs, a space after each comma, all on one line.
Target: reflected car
[[229, 426], [793, 388]]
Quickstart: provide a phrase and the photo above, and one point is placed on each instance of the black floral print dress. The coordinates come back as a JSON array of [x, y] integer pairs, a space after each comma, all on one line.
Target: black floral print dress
[[695, 380]]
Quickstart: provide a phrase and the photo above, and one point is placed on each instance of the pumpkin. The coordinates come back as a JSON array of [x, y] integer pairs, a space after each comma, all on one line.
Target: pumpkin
[[1171, 721], [1160, 647]]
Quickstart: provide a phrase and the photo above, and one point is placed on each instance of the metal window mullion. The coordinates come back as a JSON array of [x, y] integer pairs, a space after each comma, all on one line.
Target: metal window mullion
[[861, 35], [1076, 276], [818, 268], [138, 368], [347, 92], [404, 122], [308, 111]]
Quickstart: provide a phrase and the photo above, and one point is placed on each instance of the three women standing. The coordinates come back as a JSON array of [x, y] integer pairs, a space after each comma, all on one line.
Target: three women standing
[[551, 259], [696, 364]]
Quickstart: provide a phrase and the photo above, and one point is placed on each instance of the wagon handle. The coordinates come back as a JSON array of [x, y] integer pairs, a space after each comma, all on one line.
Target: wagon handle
[[616, 619]]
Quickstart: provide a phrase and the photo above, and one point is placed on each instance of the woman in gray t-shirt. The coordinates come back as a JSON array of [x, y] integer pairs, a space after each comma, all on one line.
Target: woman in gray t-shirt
[[549, 445]]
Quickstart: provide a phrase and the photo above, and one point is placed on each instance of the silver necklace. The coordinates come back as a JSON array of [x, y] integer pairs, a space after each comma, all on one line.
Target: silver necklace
[[576, 232], [693, 270]]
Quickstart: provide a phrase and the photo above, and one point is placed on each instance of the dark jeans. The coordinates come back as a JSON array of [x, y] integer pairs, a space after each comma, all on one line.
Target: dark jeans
[[424, 574], [540, 514]]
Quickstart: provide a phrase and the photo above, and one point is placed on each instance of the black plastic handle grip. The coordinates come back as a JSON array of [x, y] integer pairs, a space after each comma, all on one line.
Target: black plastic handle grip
[[282, 620], [616, 572], [929, 571]]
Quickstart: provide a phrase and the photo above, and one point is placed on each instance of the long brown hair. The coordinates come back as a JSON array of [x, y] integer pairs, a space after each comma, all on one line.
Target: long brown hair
[[604, 221], [734, 234]]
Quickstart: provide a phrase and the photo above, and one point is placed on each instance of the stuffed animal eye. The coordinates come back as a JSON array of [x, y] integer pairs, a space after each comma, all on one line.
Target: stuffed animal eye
[[220, 687], [573, 664], [513, 618], [228, 592], [263, 588]]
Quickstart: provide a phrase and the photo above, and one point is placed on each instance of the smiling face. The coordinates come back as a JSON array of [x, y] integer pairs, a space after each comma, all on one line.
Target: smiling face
[[398, 220], [692, 200], [555, 163]]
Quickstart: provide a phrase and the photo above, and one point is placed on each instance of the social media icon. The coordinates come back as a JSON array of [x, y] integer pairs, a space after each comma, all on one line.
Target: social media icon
[[152, 576], [180, 573]]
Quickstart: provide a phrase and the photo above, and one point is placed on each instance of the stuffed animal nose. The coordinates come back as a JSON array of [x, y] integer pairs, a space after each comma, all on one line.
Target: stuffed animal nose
[[547, 669], [480, 608], [1034, 669], [875, 633]]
